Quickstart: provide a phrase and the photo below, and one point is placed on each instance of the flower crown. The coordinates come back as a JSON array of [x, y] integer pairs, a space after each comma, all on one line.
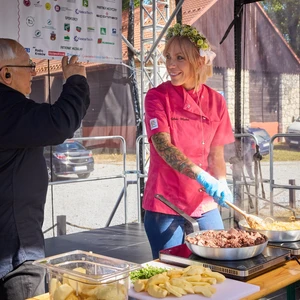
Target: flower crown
[[195, 37]]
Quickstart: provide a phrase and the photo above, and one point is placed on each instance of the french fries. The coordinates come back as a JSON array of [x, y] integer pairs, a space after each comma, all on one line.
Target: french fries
[[179, 282]]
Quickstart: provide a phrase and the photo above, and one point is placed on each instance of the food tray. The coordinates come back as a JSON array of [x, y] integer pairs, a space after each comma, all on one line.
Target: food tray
[[85, 274]]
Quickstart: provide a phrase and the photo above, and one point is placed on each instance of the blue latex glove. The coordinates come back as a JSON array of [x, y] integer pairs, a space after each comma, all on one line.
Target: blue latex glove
[[218, 189]]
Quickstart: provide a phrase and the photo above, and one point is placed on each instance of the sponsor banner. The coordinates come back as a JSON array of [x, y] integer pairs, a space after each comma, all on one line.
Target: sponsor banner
[[51, 29]]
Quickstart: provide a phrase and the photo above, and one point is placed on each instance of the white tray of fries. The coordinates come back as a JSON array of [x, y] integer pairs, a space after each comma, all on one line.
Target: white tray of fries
[[227, 289]]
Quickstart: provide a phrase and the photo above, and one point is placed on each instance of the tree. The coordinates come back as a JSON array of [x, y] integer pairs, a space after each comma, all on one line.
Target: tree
[[285, 14], [125, 3]]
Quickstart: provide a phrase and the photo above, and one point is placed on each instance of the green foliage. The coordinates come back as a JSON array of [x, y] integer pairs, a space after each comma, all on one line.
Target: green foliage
[[125, 3], [190, 32], [285, 14]]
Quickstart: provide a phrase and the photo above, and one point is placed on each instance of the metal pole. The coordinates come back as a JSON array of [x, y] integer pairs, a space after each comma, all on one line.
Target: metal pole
[[292, 194], [236, 172], [61, 225]]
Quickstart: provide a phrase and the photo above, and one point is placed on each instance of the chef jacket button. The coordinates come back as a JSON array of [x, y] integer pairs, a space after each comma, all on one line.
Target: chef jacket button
[[188, 106], [203, 118]]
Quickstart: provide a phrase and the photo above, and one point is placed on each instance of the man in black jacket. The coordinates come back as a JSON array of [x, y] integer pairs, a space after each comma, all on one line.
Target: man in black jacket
[[25, 128]]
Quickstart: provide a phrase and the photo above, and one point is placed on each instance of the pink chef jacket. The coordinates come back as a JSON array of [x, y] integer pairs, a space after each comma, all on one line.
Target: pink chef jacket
[[174, 110]]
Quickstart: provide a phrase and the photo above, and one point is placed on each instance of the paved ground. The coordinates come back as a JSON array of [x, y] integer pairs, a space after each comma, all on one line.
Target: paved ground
[[90, 204]]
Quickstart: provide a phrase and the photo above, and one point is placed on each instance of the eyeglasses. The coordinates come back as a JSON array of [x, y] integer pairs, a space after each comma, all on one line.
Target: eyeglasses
[[31, 65]]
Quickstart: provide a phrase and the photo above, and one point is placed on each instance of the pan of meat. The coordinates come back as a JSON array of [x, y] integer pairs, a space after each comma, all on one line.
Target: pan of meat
[[277, 230], [232, 244], [229, 244]]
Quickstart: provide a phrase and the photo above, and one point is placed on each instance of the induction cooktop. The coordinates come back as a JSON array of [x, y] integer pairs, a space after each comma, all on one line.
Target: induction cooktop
[[293, 247], [270, 258]]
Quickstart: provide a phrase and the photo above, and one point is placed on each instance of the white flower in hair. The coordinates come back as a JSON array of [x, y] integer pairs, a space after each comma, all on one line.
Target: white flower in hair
[[198, 39], [208, 56]]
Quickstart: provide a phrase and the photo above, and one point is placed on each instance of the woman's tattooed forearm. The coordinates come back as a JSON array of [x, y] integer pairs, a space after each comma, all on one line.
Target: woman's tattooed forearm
[[172, 155]]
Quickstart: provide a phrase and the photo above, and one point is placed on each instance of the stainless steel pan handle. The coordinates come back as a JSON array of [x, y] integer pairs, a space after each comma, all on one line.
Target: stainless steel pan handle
[[192, 221]]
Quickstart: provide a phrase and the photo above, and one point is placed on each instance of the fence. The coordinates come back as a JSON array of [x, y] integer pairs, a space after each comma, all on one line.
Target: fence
[[140, 175]]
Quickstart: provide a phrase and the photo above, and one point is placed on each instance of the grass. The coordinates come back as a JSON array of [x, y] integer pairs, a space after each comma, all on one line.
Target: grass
[[281, 152], [113, 158]]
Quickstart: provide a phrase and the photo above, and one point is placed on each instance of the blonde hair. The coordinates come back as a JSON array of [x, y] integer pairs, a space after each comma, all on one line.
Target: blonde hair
[[201, 71]]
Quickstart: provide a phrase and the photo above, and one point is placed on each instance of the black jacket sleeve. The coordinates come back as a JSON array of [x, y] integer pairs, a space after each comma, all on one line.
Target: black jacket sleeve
[[25, 123]]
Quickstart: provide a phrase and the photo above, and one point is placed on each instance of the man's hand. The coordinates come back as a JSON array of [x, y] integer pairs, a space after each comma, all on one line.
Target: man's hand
[[218, 189], [72, 67]]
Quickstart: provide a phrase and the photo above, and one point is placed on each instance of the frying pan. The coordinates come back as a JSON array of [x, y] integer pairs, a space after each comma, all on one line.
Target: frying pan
[[210, 252], [274, 235]]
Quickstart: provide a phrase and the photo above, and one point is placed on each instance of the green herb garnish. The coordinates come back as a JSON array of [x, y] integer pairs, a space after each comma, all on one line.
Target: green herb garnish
[[146, 272]]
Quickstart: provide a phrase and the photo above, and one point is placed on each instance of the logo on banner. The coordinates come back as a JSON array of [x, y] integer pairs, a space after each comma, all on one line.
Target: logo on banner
[[49, 25], [78, 11], [30, 21], [63, 8], [114, 31], [71, 18], [56, 53], [38, 33], [57, 8], [48, 6], [38, 4], [52, 36], [77, 38], [78, 28], [106, 8], [85, 3], [67, 38], [100, 41], [103, 31], [71, 48], [27, 3], [39, 52], [106, 17], [67, 27], [91, 29]]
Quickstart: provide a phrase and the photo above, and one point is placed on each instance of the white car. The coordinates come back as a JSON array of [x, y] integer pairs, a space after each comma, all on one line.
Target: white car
[[294, 128]]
